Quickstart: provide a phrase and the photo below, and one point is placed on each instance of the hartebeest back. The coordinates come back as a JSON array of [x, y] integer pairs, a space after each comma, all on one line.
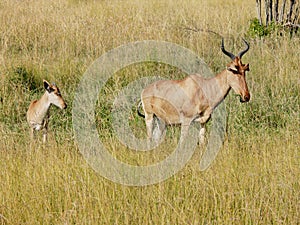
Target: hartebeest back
[[193, 98], [38, 111]]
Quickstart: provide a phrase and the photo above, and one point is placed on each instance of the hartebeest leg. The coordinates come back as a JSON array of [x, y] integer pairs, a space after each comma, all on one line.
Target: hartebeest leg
[[184, 129], [44, 135], [202, 133], [159, 129], [45, 128], [149, 125], [31, 131], [203, 120]]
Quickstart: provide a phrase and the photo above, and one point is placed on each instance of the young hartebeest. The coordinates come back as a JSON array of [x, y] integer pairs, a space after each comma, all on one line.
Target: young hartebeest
[[38, 111], [194, 98]]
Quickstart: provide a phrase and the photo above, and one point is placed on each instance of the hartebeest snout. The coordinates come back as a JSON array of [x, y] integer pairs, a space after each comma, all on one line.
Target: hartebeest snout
[[38, 111], [194, 98]]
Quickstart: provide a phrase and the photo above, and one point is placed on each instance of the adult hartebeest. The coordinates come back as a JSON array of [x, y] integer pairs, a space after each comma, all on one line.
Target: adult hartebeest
[[194, 98], [38, 112]]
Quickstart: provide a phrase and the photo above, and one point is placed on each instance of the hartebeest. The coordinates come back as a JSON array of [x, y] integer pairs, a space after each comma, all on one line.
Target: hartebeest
[[38, 111], [194, 98]]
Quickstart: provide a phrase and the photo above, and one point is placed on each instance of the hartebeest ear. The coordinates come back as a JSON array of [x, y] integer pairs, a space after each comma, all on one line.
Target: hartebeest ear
[[232, 68], [47, 86], [246, 67]]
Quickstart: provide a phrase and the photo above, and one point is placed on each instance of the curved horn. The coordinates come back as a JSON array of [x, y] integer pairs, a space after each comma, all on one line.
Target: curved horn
[[232, 56], [244, 51]]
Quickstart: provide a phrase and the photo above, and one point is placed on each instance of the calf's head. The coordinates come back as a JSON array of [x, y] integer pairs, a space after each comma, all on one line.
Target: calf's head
[[54, 95]]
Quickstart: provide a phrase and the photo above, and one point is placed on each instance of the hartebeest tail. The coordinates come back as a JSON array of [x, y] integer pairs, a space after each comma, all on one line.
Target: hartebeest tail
[[193, 98], [38, 111]]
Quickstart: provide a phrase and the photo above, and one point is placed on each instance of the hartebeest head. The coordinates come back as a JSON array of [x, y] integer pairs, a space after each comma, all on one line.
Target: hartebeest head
[[236, 78], [54, 95]]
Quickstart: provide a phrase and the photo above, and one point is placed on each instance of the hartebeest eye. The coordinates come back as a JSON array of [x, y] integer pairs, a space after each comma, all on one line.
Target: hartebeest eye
[[233, 68]]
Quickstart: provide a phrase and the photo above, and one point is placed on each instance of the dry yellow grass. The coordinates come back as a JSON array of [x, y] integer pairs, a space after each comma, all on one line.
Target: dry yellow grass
[[255, 178]]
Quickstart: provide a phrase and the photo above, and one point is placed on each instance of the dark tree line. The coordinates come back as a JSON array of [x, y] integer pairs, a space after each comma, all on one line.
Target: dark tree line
[[284, 13]]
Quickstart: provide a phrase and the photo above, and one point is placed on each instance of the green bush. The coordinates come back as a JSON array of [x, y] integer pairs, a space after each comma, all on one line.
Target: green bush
[[258, 30]]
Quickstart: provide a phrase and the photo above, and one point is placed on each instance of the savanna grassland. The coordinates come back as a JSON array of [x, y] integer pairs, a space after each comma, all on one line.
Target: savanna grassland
[[255, 177]]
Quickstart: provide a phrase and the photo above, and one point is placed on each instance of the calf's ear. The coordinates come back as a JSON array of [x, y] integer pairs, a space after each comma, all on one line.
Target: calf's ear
[[47, 86]]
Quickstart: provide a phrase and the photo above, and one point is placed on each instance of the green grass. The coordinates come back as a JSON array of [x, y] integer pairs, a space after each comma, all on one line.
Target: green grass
[[255, 177]]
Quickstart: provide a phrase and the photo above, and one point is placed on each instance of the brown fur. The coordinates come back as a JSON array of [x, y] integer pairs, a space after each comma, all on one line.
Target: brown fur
[[192, 99], [38, 111]]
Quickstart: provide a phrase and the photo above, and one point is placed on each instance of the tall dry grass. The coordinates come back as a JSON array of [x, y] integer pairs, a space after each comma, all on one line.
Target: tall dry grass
[[255, 178]]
